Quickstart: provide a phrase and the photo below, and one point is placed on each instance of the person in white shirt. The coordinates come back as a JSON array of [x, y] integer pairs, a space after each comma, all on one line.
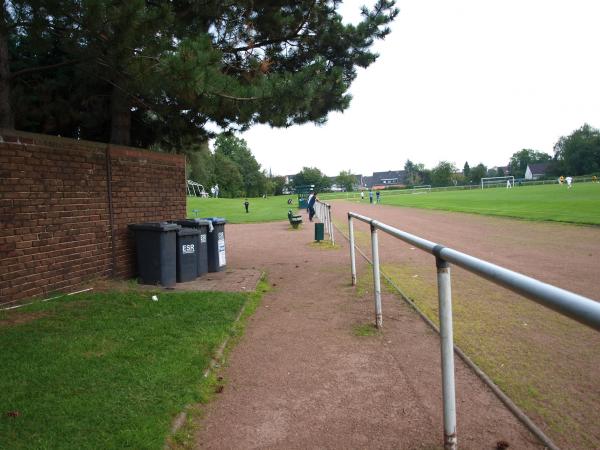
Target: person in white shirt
[[569, 181]]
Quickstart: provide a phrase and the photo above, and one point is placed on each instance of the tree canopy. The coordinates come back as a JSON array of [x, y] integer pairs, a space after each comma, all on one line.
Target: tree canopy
[[157, 72], [520, 160], [312, 176], [346, 180], [578, 153], [442, 174]]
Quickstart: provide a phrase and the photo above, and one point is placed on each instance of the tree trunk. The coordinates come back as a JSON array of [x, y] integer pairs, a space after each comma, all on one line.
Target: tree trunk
[[6, 114], [120, 129]]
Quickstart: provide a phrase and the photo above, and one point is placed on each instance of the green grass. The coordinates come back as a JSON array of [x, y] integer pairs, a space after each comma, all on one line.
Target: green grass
[[581, 204], [366, 329], [261, 209], [107, 370]]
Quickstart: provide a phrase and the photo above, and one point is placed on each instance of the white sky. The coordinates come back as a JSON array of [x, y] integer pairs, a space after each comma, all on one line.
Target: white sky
[[462, 80]]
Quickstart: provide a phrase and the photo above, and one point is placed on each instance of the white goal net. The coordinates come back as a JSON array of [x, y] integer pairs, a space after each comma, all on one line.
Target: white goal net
[[422, 189], [489, 182]]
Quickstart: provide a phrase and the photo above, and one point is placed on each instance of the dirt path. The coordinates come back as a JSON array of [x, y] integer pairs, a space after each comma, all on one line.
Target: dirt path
[[301, 378]]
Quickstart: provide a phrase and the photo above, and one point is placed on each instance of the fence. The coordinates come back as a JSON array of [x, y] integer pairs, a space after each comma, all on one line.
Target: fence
[[323, 213], [582, 309]]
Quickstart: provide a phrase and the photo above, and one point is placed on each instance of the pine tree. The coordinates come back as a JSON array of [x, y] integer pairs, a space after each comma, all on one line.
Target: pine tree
[[155, 73]]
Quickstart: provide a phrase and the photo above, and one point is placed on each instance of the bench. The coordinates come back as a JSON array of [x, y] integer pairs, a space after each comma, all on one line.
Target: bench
[[295, 221]]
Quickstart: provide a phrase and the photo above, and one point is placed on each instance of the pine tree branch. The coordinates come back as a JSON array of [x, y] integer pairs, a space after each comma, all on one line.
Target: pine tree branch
[[42, 68], [237, 98], [293, 35]]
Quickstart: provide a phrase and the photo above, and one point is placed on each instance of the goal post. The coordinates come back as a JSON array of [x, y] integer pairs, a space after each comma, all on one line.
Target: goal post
[[423, 188], [507, 181]]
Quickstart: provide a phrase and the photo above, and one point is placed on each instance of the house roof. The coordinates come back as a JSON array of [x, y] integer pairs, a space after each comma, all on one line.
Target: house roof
[[538, 168], [389, 174]]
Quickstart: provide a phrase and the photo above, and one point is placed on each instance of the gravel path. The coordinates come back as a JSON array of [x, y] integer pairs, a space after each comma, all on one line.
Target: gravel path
[[301, 377]]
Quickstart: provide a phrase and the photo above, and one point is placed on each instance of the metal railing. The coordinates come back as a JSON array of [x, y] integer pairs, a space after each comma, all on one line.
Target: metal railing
[[323, 213], [582, 309]]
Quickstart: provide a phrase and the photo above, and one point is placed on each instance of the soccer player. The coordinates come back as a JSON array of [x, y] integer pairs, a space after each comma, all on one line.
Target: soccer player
[[569, 181]]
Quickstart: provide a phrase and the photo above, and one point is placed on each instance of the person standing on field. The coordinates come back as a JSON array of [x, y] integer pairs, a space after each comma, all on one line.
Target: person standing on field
[[310, 196], [370, 196], [246, 205], [362, 195], [311, 206], [569, 181], [378, 195]]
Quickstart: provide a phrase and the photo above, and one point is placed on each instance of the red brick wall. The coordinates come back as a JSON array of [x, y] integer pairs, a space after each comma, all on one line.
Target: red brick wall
[[55, 224]]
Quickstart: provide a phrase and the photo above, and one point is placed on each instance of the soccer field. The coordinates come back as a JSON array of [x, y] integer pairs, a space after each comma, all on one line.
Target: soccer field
[[581, 204]]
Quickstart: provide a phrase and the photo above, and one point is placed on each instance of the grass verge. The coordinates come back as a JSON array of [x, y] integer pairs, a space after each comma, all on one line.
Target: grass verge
[[109, 370]]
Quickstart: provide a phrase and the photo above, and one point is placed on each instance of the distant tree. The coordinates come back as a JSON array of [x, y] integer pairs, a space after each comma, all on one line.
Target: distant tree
[[520, 160], [228, 177], [467, 170], [312, 175], [500, 172], [493, 172], [416, 173], [442, 174], [237, 150], [277, 184], [346, 180], [201, 164], [477, 173], [578, 153], [423, 175]]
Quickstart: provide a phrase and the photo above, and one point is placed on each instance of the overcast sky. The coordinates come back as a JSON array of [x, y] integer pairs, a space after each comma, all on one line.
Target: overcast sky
[[462, 80]]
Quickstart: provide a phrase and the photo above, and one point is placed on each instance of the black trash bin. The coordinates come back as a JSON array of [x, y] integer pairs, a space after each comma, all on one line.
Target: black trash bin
[[203, 225], [188, 246], [155, 244], [216, 245]]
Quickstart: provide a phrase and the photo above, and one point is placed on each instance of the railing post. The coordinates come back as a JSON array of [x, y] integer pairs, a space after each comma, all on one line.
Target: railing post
[[352, 251], [330, 225], [376, 278], [447, 347]]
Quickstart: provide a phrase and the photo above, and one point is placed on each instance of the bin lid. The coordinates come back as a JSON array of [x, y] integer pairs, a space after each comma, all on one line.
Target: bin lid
[[188, 231], [192, 223], [154, 226], [216, 220]]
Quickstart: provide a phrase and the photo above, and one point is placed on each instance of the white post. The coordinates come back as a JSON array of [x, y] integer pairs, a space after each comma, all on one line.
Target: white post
[[376, 279], [330, 225], [447, 347], [352, 251]]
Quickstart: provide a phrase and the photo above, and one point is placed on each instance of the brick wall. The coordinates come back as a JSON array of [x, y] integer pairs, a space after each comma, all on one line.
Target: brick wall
[[55, 214]]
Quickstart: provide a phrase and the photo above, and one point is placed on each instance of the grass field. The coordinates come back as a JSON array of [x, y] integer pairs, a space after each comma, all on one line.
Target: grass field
[[581, 204], [261, 209], [550, 202], [108, 370]]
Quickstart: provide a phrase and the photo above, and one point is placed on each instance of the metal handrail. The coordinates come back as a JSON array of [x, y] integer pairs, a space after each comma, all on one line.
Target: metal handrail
[[323, 213], [577, 307]]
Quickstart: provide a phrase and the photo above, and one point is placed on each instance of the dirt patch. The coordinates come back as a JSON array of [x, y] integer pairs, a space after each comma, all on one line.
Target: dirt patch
[[12, 318], [228, 280]]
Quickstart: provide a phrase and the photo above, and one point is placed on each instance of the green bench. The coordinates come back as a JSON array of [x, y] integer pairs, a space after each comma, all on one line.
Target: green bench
[[295, 221]]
